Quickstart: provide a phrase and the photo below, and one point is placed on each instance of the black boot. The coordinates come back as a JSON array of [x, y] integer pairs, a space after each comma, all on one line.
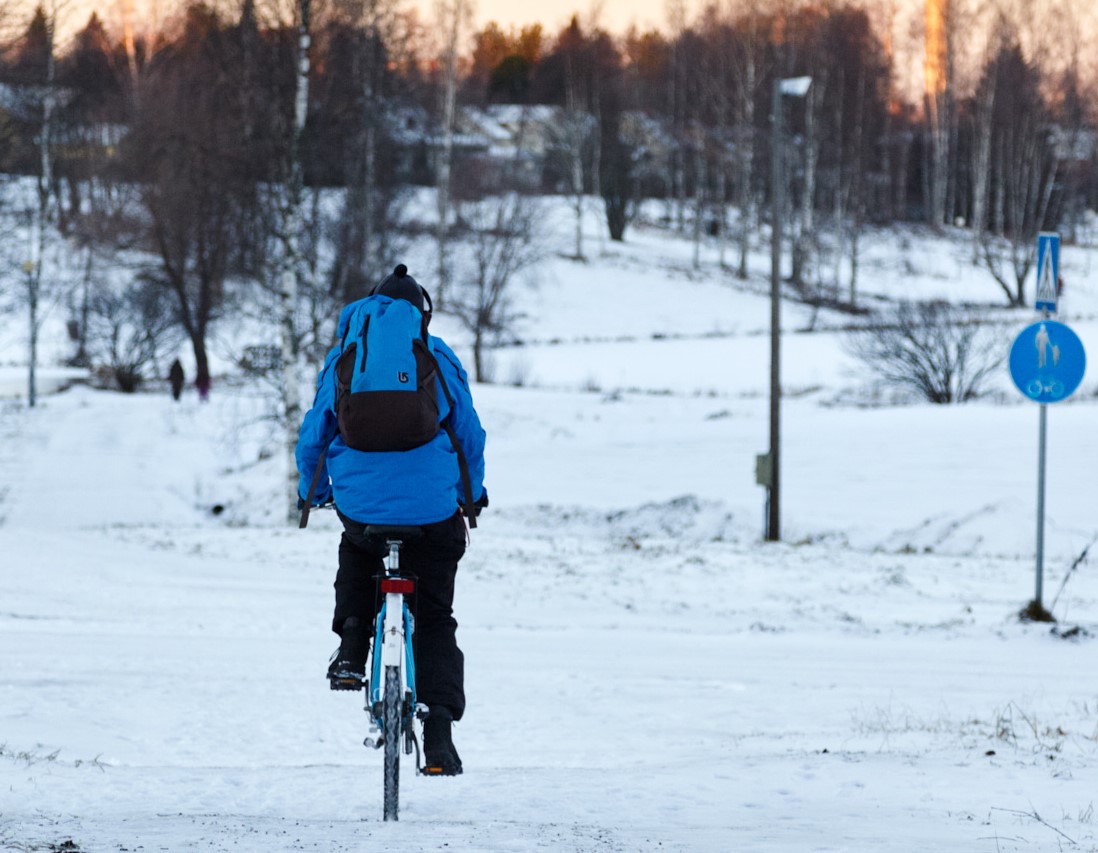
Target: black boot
[[439, 756], [347, 668]]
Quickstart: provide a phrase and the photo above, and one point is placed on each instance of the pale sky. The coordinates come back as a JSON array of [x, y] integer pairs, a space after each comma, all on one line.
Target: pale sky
[[553, 15], [612, 15]]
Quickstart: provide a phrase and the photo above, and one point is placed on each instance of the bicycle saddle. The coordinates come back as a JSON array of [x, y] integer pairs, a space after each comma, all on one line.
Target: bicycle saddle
[[394, 531]]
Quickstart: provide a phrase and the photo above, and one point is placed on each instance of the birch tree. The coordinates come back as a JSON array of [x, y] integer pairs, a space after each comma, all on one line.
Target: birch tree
[[293, 266], [453, 17], [42, 29], [746, 52], [984, 103], [938, 101]]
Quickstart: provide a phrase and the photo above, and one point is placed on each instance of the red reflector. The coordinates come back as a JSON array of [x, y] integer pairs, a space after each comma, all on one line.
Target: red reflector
[[405, 586]]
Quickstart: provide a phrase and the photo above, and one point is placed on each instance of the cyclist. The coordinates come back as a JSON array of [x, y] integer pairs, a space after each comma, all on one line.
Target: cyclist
[[417, 487]]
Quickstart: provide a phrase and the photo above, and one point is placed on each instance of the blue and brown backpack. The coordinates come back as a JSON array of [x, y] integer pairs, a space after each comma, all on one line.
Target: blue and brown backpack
[[390, 392]]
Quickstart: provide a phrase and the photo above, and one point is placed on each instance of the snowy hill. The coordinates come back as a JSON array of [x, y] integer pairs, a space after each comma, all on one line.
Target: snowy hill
[[643, 673]]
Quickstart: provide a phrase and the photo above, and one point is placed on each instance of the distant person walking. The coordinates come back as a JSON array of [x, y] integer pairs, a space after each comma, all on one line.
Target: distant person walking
[[175, 377], [202, 383]]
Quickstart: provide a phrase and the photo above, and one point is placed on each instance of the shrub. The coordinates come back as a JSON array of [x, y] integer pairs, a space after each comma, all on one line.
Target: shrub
[[944, 353]]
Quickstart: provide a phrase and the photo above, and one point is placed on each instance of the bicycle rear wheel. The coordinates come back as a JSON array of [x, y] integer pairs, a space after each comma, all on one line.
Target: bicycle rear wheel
[[392, 705]]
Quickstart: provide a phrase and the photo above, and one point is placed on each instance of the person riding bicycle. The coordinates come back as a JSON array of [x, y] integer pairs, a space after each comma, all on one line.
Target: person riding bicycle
[[423, 486]]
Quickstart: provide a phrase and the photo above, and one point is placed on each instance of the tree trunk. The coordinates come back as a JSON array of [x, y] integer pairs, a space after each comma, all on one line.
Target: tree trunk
[[805, 232], [478, 352], [981, 166], [745, 149], [42, 211], [293, 225], [700, 178], [32, 379], [452, 16], [722, 212], [202, 365], [575, 119]]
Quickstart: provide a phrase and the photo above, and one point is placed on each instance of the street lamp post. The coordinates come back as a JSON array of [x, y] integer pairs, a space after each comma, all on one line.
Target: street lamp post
[[797, 87]]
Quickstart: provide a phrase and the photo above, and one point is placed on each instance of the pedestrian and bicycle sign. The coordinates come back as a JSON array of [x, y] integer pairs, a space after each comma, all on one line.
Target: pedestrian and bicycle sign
[[1048, 272], [1047, 362]]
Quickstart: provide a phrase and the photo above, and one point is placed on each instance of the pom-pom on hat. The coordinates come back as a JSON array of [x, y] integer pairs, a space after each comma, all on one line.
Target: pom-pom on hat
[[400, 285]]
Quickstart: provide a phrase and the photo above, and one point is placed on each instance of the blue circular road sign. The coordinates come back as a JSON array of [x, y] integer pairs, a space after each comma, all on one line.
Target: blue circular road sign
[[1047, 362]]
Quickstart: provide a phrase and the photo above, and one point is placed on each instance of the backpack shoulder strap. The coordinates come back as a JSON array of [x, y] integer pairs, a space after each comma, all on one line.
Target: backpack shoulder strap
[[463, 464], [304, 520]]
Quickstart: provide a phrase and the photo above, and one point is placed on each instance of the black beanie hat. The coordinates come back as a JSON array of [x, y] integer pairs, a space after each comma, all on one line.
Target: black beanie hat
[[400, 285]]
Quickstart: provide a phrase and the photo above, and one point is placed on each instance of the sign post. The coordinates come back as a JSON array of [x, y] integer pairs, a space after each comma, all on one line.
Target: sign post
[[1047, 362]]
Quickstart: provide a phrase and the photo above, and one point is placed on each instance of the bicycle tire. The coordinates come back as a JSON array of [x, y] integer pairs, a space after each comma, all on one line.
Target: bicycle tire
[[392, 705]]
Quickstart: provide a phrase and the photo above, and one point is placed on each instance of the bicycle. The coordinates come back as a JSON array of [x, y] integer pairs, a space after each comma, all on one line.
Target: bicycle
[[391, 688]]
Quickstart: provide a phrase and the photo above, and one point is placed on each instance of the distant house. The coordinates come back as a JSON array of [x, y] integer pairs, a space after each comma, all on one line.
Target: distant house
[[23, 101], [92, 141], [516, 141], [71, 142], [1077, 145]]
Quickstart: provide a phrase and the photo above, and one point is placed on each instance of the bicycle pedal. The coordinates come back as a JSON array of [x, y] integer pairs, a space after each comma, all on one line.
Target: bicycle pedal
[[345, 682], [439, 771]]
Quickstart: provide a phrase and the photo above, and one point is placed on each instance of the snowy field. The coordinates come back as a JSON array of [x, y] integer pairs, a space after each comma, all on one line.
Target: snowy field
[[643, 673]]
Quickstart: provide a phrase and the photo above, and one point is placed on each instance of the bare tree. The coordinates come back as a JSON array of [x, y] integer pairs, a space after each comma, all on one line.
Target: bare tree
[[197, 186], [128, 331], [359, 113], [938, 69], [944, 353], [42, 216], [618, 180], [577, 124], [453, 17], [747, 49], [505, 238], [981, 162], [677, 107], [1024, 170]]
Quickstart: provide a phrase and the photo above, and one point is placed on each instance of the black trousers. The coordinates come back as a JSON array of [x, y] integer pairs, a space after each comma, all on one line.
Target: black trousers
[[433, 559]]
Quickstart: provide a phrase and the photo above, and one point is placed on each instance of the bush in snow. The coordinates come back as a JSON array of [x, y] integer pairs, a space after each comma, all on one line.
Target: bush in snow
[[943, 352]]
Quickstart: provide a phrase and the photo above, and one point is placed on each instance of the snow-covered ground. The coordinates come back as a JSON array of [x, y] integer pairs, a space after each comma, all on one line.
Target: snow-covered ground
[[643, 672]]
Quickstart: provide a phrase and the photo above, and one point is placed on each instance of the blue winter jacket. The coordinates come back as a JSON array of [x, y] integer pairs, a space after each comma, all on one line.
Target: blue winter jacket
[[417, 486]]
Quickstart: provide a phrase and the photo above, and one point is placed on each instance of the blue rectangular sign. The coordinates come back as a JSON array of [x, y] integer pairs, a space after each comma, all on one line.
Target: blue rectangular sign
[[1048, 272]]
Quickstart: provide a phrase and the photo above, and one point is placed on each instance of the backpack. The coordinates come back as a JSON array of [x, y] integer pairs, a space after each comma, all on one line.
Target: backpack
[[387, 379], [387, 382]]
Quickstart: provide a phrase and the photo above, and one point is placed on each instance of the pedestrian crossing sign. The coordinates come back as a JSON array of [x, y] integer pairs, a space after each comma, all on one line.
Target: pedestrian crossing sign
[[1048, 272]]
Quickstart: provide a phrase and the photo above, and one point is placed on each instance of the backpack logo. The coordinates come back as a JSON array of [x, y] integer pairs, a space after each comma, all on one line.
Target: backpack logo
[[403, 377]]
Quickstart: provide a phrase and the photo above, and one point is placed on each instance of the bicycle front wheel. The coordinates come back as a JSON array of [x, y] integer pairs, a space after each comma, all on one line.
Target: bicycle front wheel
[[392, 705]]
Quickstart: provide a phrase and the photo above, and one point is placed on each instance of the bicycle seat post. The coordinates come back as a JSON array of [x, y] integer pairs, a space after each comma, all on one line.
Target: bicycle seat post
[[393, 564]]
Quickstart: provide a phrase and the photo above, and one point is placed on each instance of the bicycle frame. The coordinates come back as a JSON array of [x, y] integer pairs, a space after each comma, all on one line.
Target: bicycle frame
[[395, 627], [391, 692]]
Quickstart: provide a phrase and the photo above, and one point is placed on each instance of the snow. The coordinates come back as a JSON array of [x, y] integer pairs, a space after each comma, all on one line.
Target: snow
[[643, 673]]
